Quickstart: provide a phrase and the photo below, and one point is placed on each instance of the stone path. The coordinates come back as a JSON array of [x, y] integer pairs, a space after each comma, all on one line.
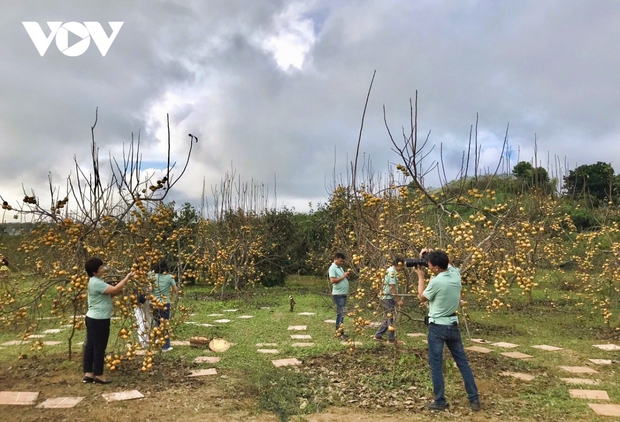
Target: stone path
[[578, 394], [61, 402], [123, 395]]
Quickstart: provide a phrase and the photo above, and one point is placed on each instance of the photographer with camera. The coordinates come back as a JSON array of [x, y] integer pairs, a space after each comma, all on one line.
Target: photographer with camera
[[389, 300], [443, 294]]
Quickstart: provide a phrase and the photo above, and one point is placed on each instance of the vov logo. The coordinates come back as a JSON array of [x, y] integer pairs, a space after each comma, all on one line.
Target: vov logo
[[60, 31]]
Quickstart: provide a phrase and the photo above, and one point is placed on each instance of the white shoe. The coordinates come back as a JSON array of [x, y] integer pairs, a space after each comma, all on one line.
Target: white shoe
[[167, 350]]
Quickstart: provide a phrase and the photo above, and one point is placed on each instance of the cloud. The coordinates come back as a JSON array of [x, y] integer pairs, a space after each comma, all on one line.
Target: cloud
[[276, 90]]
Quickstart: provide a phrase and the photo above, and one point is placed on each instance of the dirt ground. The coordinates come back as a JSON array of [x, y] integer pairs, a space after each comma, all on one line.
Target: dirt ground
[[177, 397]]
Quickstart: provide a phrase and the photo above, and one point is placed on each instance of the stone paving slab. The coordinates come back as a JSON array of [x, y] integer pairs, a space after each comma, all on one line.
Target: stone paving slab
[[297, 327], [375, 324], [266, 344], [18, 398], [179, 343], [36, 336], [306, 313], [207, 359], [605, 409], [479, 349], [245, 316], [516, 355], [52, 343], [214, 315], [479, 340], [52, 331], [265, 307], [15, 342], [301, 336], [416, 335], [601, 361], [302, 344], [268, 351], [285, 362], [222, 321], [351, 343], [206, 325], [505, 345], [518, 375], [230, 310], [191, 323], [330, 321], [579, 369], [203, 372], [582, 381], [123, 395], [608, 347], [546, 347], [589, 394], [61, 402]]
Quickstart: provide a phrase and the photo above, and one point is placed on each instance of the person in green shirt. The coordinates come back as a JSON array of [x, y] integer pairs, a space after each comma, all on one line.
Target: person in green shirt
[[98, 319], [162, 284], [340, 291], [389, 300]]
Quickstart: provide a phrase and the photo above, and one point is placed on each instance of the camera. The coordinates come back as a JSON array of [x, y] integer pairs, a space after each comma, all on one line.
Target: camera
[[417, 262]]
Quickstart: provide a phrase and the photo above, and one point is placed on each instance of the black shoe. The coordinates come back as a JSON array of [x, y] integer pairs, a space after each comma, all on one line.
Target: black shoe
[[475, 405], [100, 381], [436, 406], [88, 380]]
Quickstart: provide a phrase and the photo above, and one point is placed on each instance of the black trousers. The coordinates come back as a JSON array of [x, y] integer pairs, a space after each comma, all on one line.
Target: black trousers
[[97, 334]]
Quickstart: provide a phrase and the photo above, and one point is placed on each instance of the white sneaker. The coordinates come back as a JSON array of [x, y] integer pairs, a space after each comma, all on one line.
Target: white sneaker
[[167, 350]]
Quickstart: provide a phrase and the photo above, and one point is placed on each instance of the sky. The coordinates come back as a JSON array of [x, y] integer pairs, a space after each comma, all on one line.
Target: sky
[[275, 90]]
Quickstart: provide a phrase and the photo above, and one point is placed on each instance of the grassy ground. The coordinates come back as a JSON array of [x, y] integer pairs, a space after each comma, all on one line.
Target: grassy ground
[[341, 381]]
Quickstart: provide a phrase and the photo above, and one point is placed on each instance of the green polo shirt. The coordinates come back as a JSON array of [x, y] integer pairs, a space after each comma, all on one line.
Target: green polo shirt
[[99, 304], [390, 279], [342, 287], [444, 294], [161, 287]]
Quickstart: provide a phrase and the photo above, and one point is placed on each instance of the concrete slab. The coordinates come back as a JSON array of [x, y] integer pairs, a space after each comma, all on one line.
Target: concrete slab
[[207, 359], [306, 313], [589, 394], [245, 316], [123, 395], [268, 351], [601, 361], [191, 323], [285, 362], [516, 355], [52, 343], [581, 381], [36, 336], [15, 342], [297, 327], [546, 347], [479, 340], [330, 321], [230, 310], [302, 344], [416, 335], [579, 369], [179, 343], [207, 325], [351, 343], [61, 402], [18, 398], [203, 372], [478, 349], [608, 347], [301, 336], [266, 344], [222, 321], [52, 331], [265, 307], [605, 409], [214, 315], [505, 345], [518, 375]]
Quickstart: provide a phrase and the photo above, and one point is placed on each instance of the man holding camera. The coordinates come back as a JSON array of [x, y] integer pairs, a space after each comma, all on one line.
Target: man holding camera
[[443, 294], [340, 291]]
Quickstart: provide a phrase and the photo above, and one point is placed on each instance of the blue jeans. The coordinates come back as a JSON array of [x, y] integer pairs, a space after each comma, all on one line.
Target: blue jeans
[[388, 306], [160, 314], [341, 302], [451, 336]]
